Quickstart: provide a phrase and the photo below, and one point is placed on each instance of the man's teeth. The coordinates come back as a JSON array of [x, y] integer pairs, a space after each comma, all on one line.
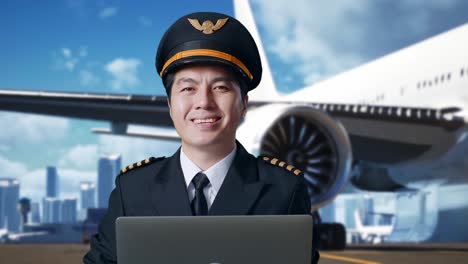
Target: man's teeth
[[208, 120]]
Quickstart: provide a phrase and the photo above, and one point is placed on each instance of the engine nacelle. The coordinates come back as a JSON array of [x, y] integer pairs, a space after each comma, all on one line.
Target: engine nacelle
[[305, 137]]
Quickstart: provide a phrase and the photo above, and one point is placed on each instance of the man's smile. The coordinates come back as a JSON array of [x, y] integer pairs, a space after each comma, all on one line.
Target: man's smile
[[205, 120]]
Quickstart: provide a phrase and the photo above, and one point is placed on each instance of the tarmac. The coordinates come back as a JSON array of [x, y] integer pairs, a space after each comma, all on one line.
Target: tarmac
[[363, 254]]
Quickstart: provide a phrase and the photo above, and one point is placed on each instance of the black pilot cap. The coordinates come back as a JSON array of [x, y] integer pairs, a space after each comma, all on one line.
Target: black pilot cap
[[208, 37]]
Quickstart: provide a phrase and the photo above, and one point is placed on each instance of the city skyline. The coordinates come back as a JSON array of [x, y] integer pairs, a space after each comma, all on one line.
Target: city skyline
[[54, 192], [53, 207]]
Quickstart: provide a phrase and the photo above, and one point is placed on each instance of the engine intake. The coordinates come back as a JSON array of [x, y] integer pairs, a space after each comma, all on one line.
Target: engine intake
[[310, 140]]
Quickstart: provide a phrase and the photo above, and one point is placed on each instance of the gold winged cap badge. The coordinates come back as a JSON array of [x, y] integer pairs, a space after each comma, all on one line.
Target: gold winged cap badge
[[207, 27]]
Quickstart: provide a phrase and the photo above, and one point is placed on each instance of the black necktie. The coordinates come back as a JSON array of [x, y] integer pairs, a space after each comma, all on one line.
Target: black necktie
[[199, 206]]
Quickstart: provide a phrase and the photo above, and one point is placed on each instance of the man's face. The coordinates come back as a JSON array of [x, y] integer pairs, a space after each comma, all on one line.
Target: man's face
[[206, 105]]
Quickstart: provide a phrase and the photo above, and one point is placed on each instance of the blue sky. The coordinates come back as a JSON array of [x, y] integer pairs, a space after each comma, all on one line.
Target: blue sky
[[109, 46]]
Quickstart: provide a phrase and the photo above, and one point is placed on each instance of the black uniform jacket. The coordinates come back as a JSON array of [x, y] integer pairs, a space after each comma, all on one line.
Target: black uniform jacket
[[252, 187]]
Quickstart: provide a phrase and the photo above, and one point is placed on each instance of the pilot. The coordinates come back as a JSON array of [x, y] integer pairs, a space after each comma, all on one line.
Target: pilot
[[208, 63]]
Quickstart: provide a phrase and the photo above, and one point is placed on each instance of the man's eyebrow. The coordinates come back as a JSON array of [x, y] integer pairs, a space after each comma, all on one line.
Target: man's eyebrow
[[222, 79], [186, 79]]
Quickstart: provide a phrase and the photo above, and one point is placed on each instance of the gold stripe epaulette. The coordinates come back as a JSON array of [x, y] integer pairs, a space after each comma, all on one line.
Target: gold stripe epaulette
[[282, 164], [140, 164]]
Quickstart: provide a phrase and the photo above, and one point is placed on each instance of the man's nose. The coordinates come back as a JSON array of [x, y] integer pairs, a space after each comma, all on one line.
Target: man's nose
[[204, 99]]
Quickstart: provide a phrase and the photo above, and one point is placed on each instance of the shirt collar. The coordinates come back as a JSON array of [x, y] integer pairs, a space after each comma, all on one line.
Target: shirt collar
[[215, 173]]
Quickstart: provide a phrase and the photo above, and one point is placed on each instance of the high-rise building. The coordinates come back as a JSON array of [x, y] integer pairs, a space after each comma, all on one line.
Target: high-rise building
[[345, 207], [52, 186], [35, 215], [327, 213], [51, 210], [368, 210], [108, 169], [68, 207], [88, 194], [9, 197]]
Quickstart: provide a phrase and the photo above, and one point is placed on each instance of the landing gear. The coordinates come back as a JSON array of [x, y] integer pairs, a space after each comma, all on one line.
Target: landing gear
[[328, 236], [332, 236]]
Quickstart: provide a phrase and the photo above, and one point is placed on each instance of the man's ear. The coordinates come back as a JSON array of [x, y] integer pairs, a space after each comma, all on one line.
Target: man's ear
[[169, 105], [245, 104]]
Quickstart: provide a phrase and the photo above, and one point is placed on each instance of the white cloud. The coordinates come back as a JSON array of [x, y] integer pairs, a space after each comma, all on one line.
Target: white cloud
[[70, 64], [302, 39], [88, 79], [31, 128], [4, 148], [66, 53], [145, 21], [124, 72], [83, 52], [80, 157], [64, 59], [414, 5], [11, 169], [69, 180], [108, 12]]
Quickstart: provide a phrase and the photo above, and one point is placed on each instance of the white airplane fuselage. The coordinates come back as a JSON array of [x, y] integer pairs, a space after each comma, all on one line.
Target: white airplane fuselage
[[432, 73]]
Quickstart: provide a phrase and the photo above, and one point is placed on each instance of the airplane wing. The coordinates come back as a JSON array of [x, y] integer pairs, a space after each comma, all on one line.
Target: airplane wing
[[381, 134], [394, 134], [119, 109], [116, 108]]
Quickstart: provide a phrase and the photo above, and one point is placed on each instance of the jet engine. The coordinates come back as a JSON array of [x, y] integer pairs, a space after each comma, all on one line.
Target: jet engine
[[305, 137]]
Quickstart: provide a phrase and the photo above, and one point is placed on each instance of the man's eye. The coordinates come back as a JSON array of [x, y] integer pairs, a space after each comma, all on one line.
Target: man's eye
[[221, 87], [186, 89]]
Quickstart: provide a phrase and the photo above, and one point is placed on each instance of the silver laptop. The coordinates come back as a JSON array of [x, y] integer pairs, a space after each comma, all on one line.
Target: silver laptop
[[214, 239]]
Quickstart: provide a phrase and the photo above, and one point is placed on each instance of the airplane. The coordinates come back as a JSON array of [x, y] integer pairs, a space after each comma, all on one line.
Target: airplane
[[374, 234], [369, 126]]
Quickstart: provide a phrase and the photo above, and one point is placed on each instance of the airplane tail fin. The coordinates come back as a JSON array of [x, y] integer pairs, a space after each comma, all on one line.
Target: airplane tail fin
[[266, 90]]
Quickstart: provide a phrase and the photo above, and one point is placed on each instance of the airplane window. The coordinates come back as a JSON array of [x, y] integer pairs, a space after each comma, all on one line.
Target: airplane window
[[462, 72], [436, 80], [442, 78], [424, 84], [448, 76], [418, 85], [429, 83]]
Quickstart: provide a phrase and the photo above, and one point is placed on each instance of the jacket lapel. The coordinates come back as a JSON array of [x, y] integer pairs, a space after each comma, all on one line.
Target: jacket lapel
[[169, 192], [240, 188]]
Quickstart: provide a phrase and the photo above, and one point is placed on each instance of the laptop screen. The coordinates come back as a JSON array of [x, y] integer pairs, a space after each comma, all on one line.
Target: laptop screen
[[215, 239]]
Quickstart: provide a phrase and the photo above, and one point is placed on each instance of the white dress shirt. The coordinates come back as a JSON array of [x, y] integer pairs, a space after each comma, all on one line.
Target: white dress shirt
[[215, 174]]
